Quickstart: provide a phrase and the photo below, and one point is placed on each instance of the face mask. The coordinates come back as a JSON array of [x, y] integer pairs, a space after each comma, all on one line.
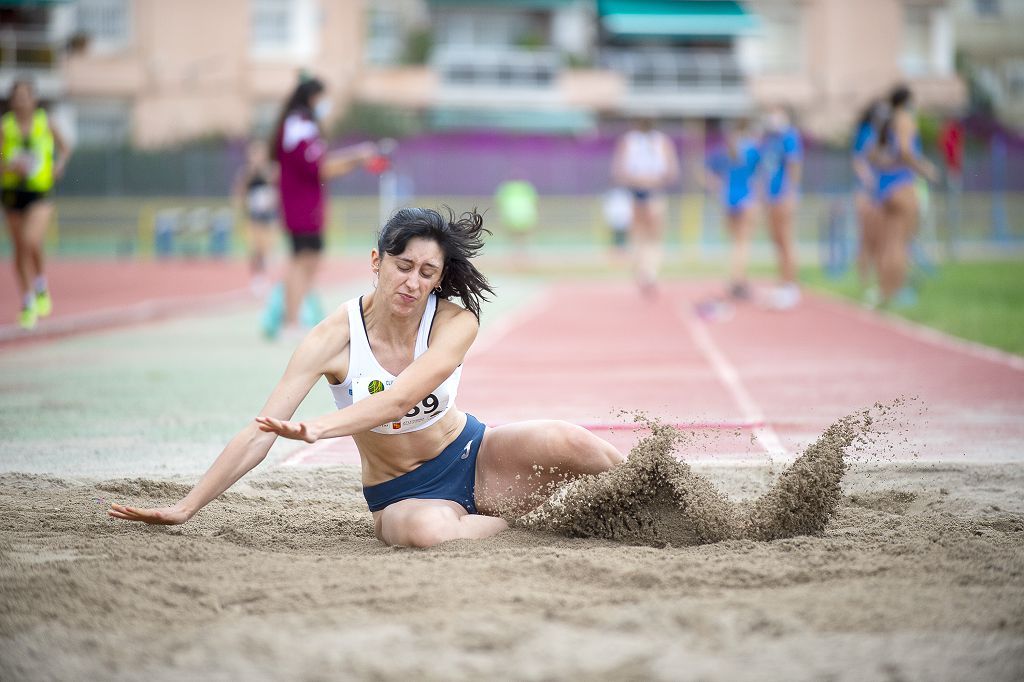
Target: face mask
[[775, 122], [322, 109]]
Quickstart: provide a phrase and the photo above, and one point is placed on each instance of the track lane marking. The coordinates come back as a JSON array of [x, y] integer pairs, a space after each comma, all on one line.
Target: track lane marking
[[727, 374]]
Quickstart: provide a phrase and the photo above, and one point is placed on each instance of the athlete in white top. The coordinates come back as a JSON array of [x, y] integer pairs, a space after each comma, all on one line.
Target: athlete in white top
[[646, 163], [430, 472]]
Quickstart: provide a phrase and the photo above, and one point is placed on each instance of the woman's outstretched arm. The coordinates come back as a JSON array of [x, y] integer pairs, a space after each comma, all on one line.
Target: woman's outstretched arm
[[447, 351], [251, 445]]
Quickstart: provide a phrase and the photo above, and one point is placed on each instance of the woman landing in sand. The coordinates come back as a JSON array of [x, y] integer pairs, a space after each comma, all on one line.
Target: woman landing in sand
[[393, 359]]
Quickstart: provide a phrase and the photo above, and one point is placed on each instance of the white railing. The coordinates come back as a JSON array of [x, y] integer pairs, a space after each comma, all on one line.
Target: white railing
[[496, 67], [675, 69]]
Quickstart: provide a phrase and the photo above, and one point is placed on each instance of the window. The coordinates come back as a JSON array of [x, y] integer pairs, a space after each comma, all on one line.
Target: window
[[917, 40], [384, 42], [781, 39], [101, 123], [106, 22], [284, 28], [271, 24], [1014, 70], [987, 8], [490, 29]]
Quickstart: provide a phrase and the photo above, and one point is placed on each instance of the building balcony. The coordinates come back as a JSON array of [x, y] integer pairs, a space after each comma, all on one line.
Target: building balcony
[[679, 82], [473, 75], [34, 54]]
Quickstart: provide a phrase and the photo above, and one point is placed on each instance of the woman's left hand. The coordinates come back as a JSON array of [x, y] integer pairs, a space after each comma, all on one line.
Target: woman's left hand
[[289, 429]]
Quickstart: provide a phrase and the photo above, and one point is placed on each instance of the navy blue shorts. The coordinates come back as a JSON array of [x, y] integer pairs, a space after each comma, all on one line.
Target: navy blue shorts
[[449, 476]]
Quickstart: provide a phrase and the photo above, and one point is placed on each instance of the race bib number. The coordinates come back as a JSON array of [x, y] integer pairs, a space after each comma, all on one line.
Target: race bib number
[[421, 412]]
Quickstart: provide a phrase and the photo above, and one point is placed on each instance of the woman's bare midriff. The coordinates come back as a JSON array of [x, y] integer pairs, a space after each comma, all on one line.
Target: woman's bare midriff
[[388, 456]]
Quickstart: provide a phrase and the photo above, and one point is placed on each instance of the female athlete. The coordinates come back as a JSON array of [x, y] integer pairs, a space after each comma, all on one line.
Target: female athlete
[[393, 359]]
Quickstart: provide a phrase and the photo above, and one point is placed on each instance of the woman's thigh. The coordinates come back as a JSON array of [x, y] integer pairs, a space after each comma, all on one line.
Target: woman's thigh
[[15, 221], [37, 221], [519, 464]]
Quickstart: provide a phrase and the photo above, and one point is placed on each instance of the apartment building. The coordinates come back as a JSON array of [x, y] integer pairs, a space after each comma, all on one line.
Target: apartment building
[[152, 72], [990, 45]]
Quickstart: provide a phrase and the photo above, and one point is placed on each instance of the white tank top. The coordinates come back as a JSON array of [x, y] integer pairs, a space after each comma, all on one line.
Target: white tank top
[[644, 153], [366, 376]]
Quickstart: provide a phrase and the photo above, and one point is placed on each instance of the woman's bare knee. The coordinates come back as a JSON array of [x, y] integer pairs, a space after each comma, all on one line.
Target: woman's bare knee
[[423, 528], [586, 452]]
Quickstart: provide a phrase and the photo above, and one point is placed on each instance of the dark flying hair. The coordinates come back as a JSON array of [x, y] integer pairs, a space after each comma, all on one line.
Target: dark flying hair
[[460, 241], [899, 96], [869, 114], [300, 101]]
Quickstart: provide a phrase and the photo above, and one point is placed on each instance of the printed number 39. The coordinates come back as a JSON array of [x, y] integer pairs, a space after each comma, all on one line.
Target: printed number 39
[[430, 405]]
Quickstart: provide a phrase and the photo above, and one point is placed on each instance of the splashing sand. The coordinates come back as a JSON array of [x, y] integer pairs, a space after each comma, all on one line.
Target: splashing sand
[[654, 499]]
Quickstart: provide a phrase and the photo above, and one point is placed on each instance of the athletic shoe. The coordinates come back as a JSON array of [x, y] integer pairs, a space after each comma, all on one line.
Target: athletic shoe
[[785, 297], [311, 312], [739, 291], [44, 304], [273, 312], [27, 318], [872, 298], [904, 298]]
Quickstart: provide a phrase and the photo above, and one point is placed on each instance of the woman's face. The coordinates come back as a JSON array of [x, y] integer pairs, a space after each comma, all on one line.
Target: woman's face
[[23, 100], [407, 279]]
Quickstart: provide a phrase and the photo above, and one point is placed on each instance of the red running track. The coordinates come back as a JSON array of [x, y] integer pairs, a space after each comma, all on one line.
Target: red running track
[[761, 384], [98, 294]]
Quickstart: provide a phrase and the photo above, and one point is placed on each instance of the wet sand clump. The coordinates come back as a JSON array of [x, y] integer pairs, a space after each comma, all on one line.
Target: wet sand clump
[[655, 499]]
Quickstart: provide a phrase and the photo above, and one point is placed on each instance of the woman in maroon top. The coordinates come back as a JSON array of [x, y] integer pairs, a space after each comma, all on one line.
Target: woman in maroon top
[[305, 169]]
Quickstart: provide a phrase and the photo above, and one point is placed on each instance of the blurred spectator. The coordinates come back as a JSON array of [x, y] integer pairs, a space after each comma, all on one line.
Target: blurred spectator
[[618, 214], [951, 140], [29, 169], [646, 163], [897, 154], [782, 157], [867, 209], [305, 169], [732, 169], [256, 196], [517, 208]]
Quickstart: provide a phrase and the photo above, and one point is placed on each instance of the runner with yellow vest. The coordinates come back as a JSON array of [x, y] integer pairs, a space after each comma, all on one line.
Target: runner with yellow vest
[[27, 172]]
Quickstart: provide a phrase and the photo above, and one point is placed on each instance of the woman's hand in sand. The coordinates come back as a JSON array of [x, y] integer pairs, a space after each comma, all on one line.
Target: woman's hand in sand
[[165, 516], [295, 430]]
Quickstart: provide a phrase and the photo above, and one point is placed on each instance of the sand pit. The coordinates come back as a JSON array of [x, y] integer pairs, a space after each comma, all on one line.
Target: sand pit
[[917, 574], [656, 499]]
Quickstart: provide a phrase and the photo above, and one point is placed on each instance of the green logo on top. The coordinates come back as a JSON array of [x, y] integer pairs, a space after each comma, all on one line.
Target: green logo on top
[[376, 386]]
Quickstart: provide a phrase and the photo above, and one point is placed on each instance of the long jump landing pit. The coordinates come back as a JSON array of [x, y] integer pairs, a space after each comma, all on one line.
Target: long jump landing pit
[[919, 575]]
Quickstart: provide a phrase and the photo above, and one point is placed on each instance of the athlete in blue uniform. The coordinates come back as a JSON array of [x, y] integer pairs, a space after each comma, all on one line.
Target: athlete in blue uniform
[[869, 215], [782, 161], [393, 358], [897, 155], [732, 172]]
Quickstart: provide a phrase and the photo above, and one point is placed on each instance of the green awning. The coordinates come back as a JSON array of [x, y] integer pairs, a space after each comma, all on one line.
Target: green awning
[[675, 17]]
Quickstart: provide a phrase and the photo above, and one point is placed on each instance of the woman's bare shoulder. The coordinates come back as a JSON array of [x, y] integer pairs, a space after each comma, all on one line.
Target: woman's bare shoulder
[[448, 311]]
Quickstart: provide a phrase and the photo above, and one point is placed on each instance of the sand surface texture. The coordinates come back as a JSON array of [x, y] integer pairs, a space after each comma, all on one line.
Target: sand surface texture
[[835, 568]]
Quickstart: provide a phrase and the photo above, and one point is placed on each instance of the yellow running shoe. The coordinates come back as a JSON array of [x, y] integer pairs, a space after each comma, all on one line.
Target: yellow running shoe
[[44, 305], [27, 318]]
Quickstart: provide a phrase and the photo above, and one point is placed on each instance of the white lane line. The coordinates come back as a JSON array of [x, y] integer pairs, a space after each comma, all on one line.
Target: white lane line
[[484, 342], [728, 375]]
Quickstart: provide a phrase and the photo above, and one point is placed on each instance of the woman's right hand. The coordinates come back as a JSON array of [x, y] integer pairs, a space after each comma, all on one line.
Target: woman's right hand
[[306, 431], [165, 516]]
